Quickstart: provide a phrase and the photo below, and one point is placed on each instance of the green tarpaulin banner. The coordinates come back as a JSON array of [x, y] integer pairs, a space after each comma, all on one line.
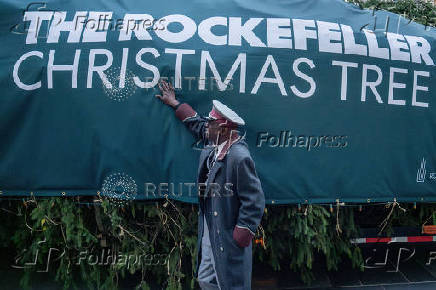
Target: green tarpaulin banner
[[339, 102]]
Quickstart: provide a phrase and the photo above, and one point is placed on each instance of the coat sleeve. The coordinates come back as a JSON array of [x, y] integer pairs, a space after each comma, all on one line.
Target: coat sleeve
[[252, 200], [193, 121]]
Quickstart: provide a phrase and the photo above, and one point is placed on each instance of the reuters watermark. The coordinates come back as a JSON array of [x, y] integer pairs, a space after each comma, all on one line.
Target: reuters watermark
[[285, 139], [188, 189], [195, 83], [119, 188], [119, 84]]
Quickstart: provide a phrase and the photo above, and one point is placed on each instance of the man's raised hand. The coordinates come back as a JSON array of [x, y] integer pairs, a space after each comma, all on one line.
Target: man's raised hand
[[167, 96]]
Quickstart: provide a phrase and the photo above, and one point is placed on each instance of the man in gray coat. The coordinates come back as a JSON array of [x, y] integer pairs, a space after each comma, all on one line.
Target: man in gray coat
[[231, 204]]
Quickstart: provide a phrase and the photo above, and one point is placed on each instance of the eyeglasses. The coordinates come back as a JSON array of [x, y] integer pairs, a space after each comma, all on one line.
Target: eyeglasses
[[211, 124]]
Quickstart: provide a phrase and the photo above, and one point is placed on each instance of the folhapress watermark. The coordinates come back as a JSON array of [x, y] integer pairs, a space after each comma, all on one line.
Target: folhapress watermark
[[42, 261], [108, 258], [285, 139], [46, 23]]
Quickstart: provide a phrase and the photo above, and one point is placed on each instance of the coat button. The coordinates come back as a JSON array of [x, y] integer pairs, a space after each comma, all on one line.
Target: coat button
[[215, 213], [221, 248]]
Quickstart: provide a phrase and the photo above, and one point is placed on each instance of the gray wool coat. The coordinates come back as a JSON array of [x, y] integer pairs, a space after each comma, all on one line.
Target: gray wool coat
[[233, 196]]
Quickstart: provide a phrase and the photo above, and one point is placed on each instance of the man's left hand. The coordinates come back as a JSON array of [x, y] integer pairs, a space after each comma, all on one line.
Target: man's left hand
[[242, 236]]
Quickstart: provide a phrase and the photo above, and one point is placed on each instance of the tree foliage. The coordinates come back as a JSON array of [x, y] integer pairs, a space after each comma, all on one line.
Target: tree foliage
[[420, 11]]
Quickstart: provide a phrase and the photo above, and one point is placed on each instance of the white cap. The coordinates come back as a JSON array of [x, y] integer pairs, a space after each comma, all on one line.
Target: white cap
[[227, 113]]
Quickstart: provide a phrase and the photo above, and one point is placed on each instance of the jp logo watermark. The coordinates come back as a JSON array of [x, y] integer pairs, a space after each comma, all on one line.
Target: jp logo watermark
[[52, 255], [390, 257], [119, 188], [421, 174]]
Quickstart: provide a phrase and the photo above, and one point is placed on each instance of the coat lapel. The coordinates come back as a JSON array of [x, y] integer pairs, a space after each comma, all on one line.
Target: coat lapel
[[203, 157], [213, 172]]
